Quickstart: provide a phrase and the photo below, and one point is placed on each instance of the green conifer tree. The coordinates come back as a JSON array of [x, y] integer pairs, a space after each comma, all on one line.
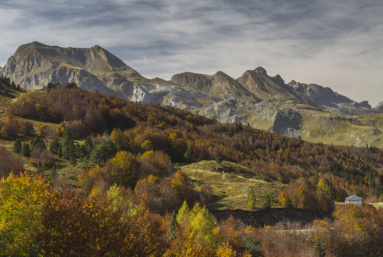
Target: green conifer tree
[[319, 249], [267, 202], [72, 160], [231, 132], [60, 152], [252, 245], [104, 151], [53, 173], [315, 180], [42, 145], [172, 226], [54, 146], [88, 145], [17, 146], [25, 150], [188, 156], [288, 158], [251, 200]]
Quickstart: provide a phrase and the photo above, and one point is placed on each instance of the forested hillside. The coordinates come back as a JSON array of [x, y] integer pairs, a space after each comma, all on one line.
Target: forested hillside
[[128, 180]]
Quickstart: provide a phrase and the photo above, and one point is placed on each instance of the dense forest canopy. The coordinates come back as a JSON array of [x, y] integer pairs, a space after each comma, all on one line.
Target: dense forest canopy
[[128, 154]]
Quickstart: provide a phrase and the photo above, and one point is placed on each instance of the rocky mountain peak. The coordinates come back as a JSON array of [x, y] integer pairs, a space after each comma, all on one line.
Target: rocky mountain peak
[[34, 65], [364, 104], [278, 79], [261, 71]]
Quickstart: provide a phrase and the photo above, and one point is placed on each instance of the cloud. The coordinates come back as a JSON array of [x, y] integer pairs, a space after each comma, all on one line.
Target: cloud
[[332, 43]]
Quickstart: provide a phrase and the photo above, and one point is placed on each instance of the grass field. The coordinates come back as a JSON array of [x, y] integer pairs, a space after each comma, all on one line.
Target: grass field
[[231, 183]]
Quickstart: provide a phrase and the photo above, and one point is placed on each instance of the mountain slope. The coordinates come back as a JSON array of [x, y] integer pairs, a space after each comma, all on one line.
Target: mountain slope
[[219, 84]]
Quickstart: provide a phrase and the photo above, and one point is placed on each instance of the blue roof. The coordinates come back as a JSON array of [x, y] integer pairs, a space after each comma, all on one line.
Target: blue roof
[[354, 198]]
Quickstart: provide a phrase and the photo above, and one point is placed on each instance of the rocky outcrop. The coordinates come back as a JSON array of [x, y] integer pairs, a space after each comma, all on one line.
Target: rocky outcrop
[[172, 96], [224, 111], [287, 122], [1, 71], [321, 95], [379, 106]]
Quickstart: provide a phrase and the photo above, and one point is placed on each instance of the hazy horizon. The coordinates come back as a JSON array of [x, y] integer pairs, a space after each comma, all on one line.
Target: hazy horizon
[[335, 44]]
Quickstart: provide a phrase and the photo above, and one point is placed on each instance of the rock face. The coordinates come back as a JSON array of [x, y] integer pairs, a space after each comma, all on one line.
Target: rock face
[[379, 106], [35, 64], [261, 85]]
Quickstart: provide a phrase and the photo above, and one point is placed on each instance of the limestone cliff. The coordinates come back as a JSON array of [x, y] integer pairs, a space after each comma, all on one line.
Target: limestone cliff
[[34, 65]]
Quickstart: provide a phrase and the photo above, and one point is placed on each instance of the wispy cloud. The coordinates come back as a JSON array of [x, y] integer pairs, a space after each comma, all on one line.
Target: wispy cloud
[[332, 43]]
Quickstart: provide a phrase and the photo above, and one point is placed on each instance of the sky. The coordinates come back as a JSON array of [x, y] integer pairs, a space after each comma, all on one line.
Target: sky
[[333, 43]]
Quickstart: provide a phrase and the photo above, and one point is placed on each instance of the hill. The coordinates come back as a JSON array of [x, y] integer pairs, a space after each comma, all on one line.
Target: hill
[[174, 131], [230, 183]]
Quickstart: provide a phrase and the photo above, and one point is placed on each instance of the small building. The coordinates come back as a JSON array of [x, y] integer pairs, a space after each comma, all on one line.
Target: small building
[[354, 199]]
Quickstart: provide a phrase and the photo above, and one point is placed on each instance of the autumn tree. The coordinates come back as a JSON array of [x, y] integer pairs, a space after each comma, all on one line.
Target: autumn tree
[[123, 169], [9, 163], [203, 224], [81, 226], [147, 146], [21, 198], [183, 186]]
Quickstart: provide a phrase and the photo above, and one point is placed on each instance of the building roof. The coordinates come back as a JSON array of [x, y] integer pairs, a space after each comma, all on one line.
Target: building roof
[[354, 198]]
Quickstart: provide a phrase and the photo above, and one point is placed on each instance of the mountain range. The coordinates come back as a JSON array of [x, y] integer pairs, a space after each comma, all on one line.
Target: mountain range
[[311, 111]]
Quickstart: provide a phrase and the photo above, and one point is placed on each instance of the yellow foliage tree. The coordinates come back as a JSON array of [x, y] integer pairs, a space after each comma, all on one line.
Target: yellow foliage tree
[[147, 146], [205, 226], [124, 168], [182, 185], [21, 198], [284, 199]]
